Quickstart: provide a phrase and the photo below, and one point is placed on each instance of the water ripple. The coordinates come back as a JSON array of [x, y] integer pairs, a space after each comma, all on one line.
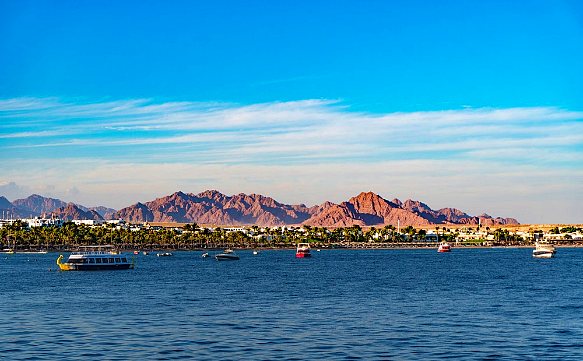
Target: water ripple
[[340, 305]]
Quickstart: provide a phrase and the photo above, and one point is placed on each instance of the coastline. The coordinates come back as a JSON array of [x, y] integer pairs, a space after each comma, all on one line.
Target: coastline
[[358, 248]]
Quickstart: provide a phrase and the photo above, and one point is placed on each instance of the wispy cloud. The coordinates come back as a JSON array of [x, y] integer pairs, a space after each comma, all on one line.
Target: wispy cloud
[[300, 130], [308, 136]]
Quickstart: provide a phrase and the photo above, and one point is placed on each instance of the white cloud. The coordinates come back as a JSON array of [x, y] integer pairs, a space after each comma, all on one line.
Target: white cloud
[[118, 152]]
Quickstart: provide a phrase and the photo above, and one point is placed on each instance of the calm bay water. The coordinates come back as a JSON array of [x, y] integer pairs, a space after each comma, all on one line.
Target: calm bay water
[[340, 304]]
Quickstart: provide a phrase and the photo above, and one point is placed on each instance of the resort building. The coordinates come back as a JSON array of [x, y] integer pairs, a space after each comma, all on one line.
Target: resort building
[[88, 222], [43, 222]]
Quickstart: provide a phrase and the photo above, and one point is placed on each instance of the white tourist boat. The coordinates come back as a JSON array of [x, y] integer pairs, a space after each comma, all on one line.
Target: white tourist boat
[[93, 258], [544, 250]]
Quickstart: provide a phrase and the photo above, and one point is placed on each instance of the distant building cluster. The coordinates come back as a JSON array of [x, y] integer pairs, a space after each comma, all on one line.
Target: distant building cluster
[[481, 235]]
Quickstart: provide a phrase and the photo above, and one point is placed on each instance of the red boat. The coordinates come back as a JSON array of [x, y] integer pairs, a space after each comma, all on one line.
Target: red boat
[[303, 250], [444, 247]]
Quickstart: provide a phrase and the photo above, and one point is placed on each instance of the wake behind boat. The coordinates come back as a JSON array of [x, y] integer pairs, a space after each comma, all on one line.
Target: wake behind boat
[[93, 258], [227, 255]]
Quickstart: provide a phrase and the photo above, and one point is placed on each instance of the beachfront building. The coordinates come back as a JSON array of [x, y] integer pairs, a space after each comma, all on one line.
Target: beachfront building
[[236, 229], [565, 236], [43, 222], [473, 236], [88, 222], [33, 222], [431, 237]]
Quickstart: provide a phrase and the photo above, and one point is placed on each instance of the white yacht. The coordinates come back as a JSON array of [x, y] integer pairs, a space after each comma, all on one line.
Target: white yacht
[[544, 250]]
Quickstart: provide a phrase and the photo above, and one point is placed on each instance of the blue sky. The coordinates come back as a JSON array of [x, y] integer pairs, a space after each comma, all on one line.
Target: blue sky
[[476, 105]]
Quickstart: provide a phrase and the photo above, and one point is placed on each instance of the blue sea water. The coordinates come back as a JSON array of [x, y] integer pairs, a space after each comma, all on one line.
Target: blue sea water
[[474, 304]]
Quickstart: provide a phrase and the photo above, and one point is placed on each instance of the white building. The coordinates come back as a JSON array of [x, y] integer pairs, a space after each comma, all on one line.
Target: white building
[[43, 222], [88, 222], [235, 229]]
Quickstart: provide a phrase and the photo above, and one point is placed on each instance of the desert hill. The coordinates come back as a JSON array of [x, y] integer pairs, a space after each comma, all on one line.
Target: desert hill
[[215, 208], [365, 209]]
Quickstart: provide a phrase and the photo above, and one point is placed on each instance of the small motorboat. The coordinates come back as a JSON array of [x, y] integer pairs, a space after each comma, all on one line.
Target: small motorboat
[[164, 254], [205, 255], [303, 250], [227, 255], [544, 250], [145, 253], [136, 252], [255, 252], [444, 247]]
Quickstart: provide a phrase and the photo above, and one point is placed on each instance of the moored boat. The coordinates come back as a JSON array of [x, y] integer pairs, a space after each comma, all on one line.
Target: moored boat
[[227, 255], [93, 258], [444, 247], [544, 250], [303, 250]]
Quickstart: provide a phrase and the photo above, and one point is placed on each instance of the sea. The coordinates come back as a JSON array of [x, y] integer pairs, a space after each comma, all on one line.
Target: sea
[[470, 304]]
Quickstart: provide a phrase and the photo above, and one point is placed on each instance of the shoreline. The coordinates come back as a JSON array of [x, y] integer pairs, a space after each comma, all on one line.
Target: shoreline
[[314, 249]]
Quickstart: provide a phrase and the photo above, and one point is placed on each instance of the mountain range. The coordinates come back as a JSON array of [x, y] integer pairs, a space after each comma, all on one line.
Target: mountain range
[[39, 206], [214, 208]]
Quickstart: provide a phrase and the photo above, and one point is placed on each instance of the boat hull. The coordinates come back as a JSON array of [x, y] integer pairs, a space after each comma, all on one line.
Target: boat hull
[[95, 267], [226, 257], [303, 255], [543, 254]]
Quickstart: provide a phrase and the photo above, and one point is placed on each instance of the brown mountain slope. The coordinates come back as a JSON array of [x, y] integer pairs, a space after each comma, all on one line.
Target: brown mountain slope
[[336, 215], [365, 209], [381, 211], [72, 211], [39, 205], [213, 207], [9, 210]]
